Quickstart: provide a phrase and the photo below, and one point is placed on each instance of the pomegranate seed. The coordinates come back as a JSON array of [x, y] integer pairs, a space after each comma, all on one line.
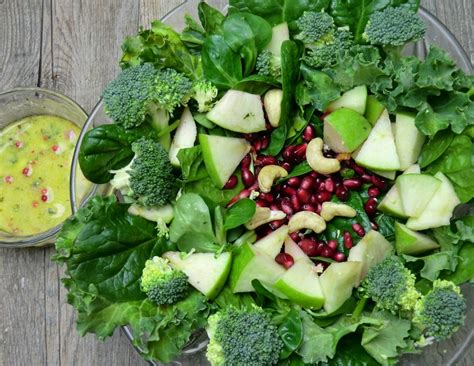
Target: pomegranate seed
[[308, 182], [287, 166], [348, 243], [44, 191], [358, 229], [309, 247], [315, 175], [285, 259], [27, 171], [321, 246], [246, 161], [44, 198], [329, 185], [277, 223], [231, 183], [352, 183], [303, 195], [268, 126], [288, 153], [55, 148], [308, 133], [359, 170], [294, 181], [286, 206], [35, 204], [247, 177], [309, 207], [266, 197], [19, 144], [332, 244], [243, 194], [295, 203], [370, 206], [319, 207], [326, 252], [374, 226], [248, 136], [257, 145], [366, 177], [289, 191], [339, 257], [373, 191], [261, 203], [8, 179], [314, 199], [266, 160], [378, 182], [323, 196], [295, 237], [342, 193], [264, 142], [300, 150]]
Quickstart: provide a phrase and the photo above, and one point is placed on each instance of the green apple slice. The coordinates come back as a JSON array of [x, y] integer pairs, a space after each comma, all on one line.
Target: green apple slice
[[408, 139], [280, 34], [410, 242], [222, 155], [370, 251], [354, 99], [373, 109], [206, 272], [389, 174], [337, 282], [272, 243], [295, 251], [345, 130], [158, 214], [249, 264], [378, 151], [238, 111], [416, 190], [301, 285], [184, 137], [439, 210], [392, 203]]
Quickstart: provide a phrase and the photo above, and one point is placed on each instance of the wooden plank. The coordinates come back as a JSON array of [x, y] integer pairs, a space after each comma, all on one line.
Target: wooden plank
[[81, 50], [22, 305]]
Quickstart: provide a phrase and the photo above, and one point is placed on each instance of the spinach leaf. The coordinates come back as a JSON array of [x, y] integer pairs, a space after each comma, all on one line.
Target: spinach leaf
[[239, 213], [356, 14], [291, 333], [256, 84], [211, 18], [465, 270], [222, 66], [301, 169], [456, 157], [351, 353], [191, 227], [211, 194], [193, 34], [290, 65], [435, 147], [192, 164]]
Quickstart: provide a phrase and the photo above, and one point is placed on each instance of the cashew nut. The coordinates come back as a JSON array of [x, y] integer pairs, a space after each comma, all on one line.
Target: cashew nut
[[316, 159], [268, 174], [306, 220], [332, 209], [264, 215]]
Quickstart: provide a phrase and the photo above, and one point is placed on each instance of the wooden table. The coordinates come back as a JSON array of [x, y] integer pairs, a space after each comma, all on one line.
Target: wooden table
[[73, 46]]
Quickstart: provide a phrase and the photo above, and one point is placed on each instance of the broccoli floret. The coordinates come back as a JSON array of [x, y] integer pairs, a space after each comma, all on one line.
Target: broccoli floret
[[204, 93], [394, 27], [268, 64], [242, 337], [163, 284], [315, 27], [322, 55], [441, 311], [391, 286], [149, 178], [142, 91]]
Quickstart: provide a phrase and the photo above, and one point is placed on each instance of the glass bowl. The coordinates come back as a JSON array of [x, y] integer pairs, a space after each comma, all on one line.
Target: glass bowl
[[444, 353], [24, 102]]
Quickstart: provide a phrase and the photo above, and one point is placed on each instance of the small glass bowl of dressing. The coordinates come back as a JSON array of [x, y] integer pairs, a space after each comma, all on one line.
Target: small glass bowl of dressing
[[38, 133]]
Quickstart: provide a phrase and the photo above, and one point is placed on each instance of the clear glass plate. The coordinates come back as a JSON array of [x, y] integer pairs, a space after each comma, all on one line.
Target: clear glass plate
[[450, 352]]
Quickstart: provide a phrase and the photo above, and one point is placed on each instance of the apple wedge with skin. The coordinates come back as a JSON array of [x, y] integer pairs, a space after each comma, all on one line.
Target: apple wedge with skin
[[410, 242], [354, 99], [271, 244], [184, 137], [301, 285], [416, 190], [206, 272]]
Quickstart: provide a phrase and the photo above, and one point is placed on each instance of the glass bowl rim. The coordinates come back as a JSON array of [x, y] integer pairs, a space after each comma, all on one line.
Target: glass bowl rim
[[23, 241]]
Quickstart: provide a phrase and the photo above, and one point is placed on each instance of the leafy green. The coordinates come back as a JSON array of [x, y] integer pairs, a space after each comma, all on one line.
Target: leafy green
[[192, 164], [435, 147], [291, 333], [317, 89], [349, 352], [211, 18], [192, 225], [211, 194], [239, 213]]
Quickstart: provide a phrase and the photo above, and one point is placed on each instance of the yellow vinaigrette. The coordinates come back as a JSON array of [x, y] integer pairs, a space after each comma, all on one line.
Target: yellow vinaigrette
[[35, 159]]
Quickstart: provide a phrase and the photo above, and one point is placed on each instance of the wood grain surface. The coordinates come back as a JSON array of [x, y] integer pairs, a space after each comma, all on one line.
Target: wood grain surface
[[73, 46]]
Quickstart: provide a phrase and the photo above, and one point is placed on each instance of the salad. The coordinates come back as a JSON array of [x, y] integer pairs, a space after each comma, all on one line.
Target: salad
[[286, 180]]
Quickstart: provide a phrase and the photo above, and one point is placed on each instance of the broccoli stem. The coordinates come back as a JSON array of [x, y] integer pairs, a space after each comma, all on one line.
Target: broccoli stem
[[160, 119], [359, 308]]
